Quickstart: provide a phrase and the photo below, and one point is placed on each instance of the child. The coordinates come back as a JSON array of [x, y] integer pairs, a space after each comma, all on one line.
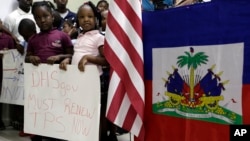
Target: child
[[89, 44], [88, 49], [6, 42], [104, 15], [70, 29], [57, 20], [12, 20], [27, 29], [102, 5], [64, 12], [50, 45]]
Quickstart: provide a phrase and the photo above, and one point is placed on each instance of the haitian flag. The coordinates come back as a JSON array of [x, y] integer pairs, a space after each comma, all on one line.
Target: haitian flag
[[197, 71]]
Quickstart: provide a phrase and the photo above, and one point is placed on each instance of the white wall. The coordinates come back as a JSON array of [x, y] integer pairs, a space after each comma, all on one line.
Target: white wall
[[6, 6]]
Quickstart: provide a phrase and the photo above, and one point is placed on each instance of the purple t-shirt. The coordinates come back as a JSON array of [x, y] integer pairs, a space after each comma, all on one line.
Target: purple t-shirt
[[51, 43], [6, 41]]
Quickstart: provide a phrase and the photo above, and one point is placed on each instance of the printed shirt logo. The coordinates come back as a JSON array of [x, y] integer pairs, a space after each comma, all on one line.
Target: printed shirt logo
[[57, 43], [193, 94]]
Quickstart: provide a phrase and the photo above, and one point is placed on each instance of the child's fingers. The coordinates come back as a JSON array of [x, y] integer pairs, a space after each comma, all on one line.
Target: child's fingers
[[63, 66], [81, 65], [35, 60]]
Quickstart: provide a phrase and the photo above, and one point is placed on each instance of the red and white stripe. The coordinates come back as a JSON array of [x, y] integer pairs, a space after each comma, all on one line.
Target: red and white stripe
[[123, 50]]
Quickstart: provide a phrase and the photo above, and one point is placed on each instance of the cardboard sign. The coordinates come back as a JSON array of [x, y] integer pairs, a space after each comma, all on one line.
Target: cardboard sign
[[62, 104], [12, 85]]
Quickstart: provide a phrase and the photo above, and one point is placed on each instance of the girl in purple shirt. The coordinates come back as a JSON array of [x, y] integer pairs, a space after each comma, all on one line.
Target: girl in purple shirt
[[50, 45]]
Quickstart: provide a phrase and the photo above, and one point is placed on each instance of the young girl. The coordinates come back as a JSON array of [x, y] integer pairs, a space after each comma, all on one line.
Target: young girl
[[50, 45], [70, 29], [102, 5], [88, 49]]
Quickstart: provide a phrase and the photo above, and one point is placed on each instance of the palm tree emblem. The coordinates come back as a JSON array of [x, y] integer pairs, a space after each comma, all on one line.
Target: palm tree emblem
[[192, 61], [195, 93]]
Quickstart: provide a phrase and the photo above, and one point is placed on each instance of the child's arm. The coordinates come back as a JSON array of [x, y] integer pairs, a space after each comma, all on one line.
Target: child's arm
[[64, 63], [98, 60], [103, 61], [61, 57], [58, 58]]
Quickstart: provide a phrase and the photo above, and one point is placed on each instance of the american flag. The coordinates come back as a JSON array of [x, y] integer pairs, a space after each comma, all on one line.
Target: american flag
[[123, 50]]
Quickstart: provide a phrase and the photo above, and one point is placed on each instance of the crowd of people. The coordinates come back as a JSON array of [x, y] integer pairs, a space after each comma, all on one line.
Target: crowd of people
[[151, 5], [53, 34], [44, 33]]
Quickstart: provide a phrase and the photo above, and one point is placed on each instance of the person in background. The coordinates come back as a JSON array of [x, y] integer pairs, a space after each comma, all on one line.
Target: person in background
[[148, 5], [162, 4], [102, 5], [12, 20], [104, 15], [41, 50], [65, 13], [57, 20], [57, 17], [179, 3], [27, 29], [70, 28], [11, 23], [6, 42]]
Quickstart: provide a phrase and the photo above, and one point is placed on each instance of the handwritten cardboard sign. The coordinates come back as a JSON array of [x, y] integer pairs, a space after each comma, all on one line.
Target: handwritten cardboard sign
[[12, 85], [62, 104]]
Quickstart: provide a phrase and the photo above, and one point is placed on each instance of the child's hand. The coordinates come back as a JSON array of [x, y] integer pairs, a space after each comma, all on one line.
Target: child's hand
[[83, 62], [20, 48], [64, 63], [52, 59], [35, 60]]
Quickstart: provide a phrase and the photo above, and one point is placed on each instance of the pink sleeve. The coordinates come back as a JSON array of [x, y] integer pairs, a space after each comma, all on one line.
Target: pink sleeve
[[100, 40]]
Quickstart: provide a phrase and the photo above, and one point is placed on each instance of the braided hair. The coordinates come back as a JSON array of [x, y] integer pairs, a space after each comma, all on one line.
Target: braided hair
[[50, 7]]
